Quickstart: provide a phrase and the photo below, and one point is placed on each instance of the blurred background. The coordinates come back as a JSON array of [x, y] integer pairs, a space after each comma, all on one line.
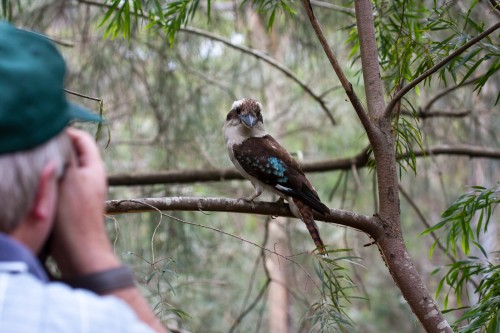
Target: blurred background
[[165, 101]]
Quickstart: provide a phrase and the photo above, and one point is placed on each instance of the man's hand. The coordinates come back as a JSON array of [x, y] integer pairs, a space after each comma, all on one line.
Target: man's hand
[[80, 244]]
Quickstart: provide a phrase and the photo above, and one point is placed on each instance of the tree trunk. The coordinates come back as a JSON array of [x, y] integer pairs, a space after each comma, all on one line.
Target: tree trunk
[[382, 139]]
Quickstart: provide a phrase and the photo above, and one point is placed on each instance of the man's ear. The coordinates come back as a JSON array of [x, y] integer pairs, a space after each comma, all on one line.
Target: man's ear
[[43, 203]]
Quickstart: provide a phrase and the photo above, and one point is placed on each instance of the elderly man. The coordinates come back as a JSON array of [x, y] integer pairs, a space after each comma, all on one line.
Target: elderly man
[[52, 191]]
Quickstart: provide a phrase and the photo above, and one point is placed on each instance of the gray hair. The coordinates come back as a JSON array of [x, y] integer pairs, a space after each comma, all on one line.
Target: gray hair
[[20, 173]]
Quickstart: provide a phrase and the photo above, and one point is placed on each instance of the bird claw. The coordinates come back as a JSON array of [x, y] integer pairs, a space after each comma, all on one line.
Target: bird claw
[[280, 201], [245, 199]]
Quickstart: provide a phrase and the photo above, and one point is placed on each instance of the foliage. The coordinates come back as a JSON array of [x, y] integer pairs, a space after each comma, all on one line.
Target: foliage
[[461, 227], [407, 136], [413, 39], [173, 16], [271, 8], [166, 105], [459, 216], [329, 313]]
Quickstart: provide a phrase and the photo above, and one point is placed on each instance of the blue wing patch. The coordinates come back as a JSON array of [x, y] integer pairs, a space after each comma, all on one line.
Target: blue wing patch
[[278, 169]]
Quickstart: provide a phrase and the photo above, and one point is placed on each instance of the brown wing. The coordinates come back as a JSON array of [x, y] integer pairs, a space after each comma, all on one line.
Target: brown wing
[[265, 159]]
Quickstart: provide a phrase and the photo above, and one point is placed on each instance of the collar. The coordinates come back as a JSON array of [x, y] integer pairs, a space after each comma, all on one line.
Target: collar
[[17, 258]]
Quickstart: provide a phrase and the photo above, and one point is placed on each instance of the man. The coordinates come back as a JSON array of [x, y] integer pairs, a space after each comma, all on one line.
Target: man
[[52, 192]]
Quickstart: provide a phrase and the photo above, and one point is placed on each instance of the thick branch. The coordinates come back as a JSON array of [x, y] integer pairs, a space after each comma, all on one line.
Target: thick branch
[[435, 68], [369, 59], [358, 161], [337, 216]]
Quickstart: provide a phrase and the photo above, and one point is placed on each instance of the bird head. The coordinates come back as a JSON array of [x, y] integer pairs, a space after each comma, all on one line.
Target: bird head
[[246, 112]]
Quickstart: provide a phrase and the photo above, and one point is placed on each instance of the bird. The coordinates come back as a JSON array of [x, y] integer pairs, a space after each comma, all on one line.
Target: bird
[[261, 159]]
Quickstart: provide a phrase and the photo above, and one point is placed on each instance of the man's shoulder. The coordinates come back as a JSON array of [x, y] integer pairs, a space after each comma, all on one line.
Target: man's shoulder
[[55, 306]]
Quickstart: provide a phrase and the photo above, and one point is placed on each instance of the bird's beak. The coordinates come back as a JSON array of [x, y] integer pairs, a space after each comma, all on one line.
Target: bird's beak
[[249, 120]]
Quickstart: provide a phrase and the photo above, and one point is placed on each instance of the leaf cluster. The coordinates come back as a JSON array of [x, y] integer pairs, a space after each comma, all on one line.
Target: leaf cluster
[[271, 8], [172, 17], [458, 221], [458, 218], [413, 39], [122, 15], [329, 313]]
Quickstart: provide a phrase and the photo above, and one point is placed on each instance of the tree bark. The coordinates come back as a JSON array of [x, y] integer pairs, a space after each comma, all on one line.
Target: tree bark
[[378, 125], [391, 242]]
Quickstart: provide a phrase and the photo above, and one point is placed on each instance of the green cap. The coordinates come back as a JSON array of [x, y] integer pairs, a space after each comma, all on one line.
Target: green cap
[[33, 104]]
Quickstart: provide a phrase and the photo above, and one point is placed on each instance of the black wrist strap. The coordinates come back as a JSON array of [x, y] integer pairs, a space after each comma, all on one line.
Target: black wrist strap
[[105, 281]]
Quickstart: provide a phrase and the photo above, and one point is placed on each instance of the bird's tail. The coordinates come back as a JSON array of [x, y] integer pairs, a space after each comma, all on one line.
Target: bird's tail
[[306, 215]]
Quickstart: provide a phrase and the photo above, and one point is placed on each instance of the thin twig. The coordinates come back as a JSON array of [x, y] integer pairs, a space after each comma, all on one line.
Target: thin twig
[[425, 222], [153, 207], [82, 95], [251, 306], [445, 92], [260, 257]]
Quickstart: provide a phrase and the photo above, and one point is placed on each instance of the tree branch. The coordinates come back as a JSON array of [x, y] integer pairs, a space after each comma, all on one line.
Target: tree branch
[[445, 92], [257, 54], [436, 114], [356, 103], [267, 59], [435, 68], [369, 59], [358, 161], [203, 204]]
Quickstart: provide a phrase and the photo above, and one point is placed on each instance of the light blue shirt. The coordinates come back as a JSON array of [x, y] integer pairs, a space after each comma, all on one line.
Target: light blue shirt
[[31, 304]]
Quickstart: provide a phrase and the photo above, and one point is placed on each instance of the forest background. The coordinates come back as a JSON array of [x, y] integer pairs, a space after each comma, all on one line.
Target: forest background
[[164, 75]]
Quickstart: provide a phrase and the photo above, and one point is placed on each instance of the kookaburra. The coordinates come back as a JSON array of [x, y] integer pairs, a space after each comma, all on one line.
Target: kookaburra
[[262, 160]]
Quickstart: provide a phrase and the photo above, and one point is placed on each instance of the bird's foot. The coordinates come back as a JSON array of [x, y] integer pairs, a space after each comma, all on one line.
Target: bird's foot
[[246, 199], [258, 191]]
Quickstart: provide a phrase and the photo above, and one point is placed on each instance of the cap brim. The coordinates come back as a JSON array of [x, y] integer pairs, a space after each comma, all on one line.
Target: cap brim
[[79, 113]]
